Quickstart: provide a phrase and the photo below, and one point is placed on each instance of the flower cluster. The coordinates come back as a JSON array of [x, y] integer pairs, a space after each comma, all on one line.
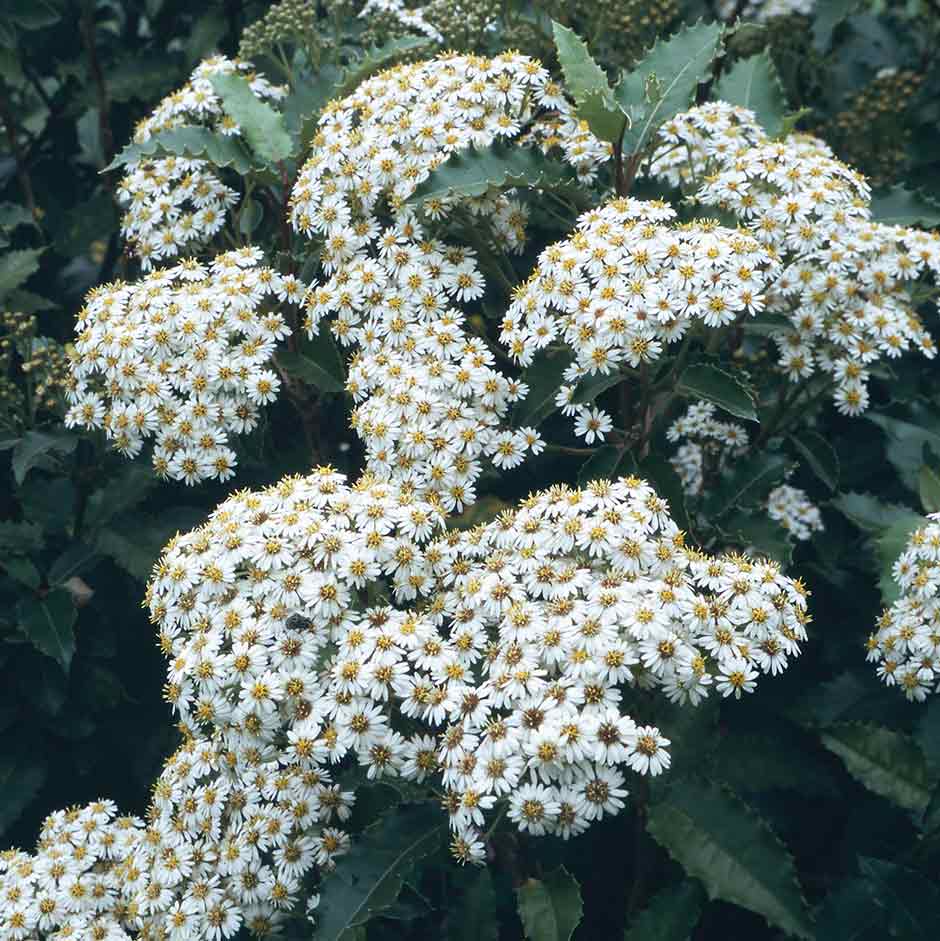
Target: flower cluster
[[402, 16], [761, 11], [845, 283], [906, 644], [555, 611], [627, 283], [182, 356], [431, 404], [175, 204], [794, 511]]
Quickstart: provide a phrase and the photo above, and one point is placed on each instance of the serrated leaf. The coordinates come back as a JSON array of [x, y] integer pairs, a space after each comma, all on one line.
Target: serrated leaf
[[34, 446], [704, 381], [22, 774], [928, 485], [193, 142], [757, 531], [668, 485], [23, 570], [890, 543], [670, 915], [314, 367], [748, 483], [77, 558], [677, 65], [719, 840], [20, 538], [474, 916], [376, 58], [601, 464], [369, 877], [16, 267], [827, 17], [544, 378], [474, 172], [819, 455], [884, 761], [47, 623], [550, 908], [909, 900], [905, 447], [260, 125], [587, 83], [590, 387], [927, 732], [755, 84], [900, 206], [128, 488], [869, 513]]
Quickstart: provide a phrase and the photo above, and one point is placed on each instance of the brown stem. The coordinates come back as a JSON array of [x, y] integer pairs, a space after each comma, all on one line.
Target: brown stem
[[87, 27], [22, 174]]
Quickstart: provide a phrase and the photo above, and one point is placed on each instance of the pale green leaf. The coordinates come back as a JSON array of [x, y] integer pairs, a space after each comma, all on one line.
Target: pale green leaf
[[550, 908], [16, 267], [704, 381], [929, 486], [261, 126], [869, 513], [884, 761], [754, 83], [47, 623], [543, 377], [601, 464], [747, 484], [34, 446], [819, 455], [900, 206], [719, 840], [194, 142]]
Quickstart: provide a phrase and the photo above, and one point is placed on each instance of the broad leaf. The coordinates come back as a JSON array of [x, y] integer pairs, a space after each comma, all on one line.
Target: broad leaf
[[884, 761], [543, 377], [928, 484], [758, 532], [819, 455], [128, 488], [664, 478], [719, 840], [754, 83], [704, 381], [22, 774], [317, 365], [194, 142], [890, 543], [475, 172], [899, 206], [369, 877], [905, 448], [601, 464], [665, 81], [590, 387], [47, 623], [34, 446], [670, 915], [747, 484], [473, 918], [927, 732], [77, 558], [261, 126], [910, 901], [587, 83], [827, 17], [375, 59], [550, 908], [869, 513], [16, 267]]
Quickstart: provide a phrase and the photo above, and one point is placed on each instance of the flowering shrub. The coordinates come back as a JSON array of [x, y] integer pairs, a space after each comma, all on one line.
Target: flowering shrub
[[584, 319]]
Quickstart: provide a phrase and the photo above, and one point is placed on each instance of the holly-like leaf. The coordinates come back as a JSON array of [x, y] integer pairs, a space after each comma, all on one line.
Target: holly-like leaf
[[47, 623], [543, 377], [748, 483], [719, 840], [704, 381], [22, 774], [16, 267], [587, 83], [193, 142], [760, 534], [665, 81], [34, 446], [369, 877], [884, 761], [319, 364], [900, 206], [868, 512], [827, 17], [670, 915], [376, 58], [905, 446], [261, 126], [890, 543], [590, 387], [819, 455], [755, 84], [550, 908], [477, 171]]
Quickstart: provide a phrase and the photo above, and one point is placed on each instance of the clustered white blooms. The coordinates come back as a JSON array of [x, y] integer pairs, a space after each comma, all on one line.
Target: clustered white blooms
[[413, 19], [906, 644], [176, 204], [700, 433], [431, 406], [504, 684], [762, 11], [846, 281], [793, 509], [627, 283], [182, 356]]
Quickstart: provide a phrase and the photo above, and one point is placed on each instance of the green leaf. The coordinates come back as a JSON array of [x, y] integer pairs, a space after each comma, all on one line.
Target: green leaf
[[665, 81], [375, 59], [928, 483], [128, 488], [194, 142], [475, 172], [550, 908], [827, 17], [319, 365], [748, 483], [47, 623], [869, 513], [905, 448], [704, 381], [20, 538], [890, 543], [13, 215], [22, 774], [16, 267], [135, 540], [819, 455], [473, 918], [670, 915], [261, 126], [601, 464], [369, 877], [544, 377], [22, 570], [34, 446], [587, 83], [719, 840], [754, 83], [909, 900], [927, 732], [662, 475], [884, 761], [590, 387], [900, 206], [78, 557], [759, 532]]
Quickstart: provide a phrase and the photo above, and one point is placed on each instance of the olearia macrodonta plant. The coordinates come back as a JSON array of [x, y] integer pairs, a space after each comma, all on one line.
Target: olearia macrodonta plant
[[323, 633]]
